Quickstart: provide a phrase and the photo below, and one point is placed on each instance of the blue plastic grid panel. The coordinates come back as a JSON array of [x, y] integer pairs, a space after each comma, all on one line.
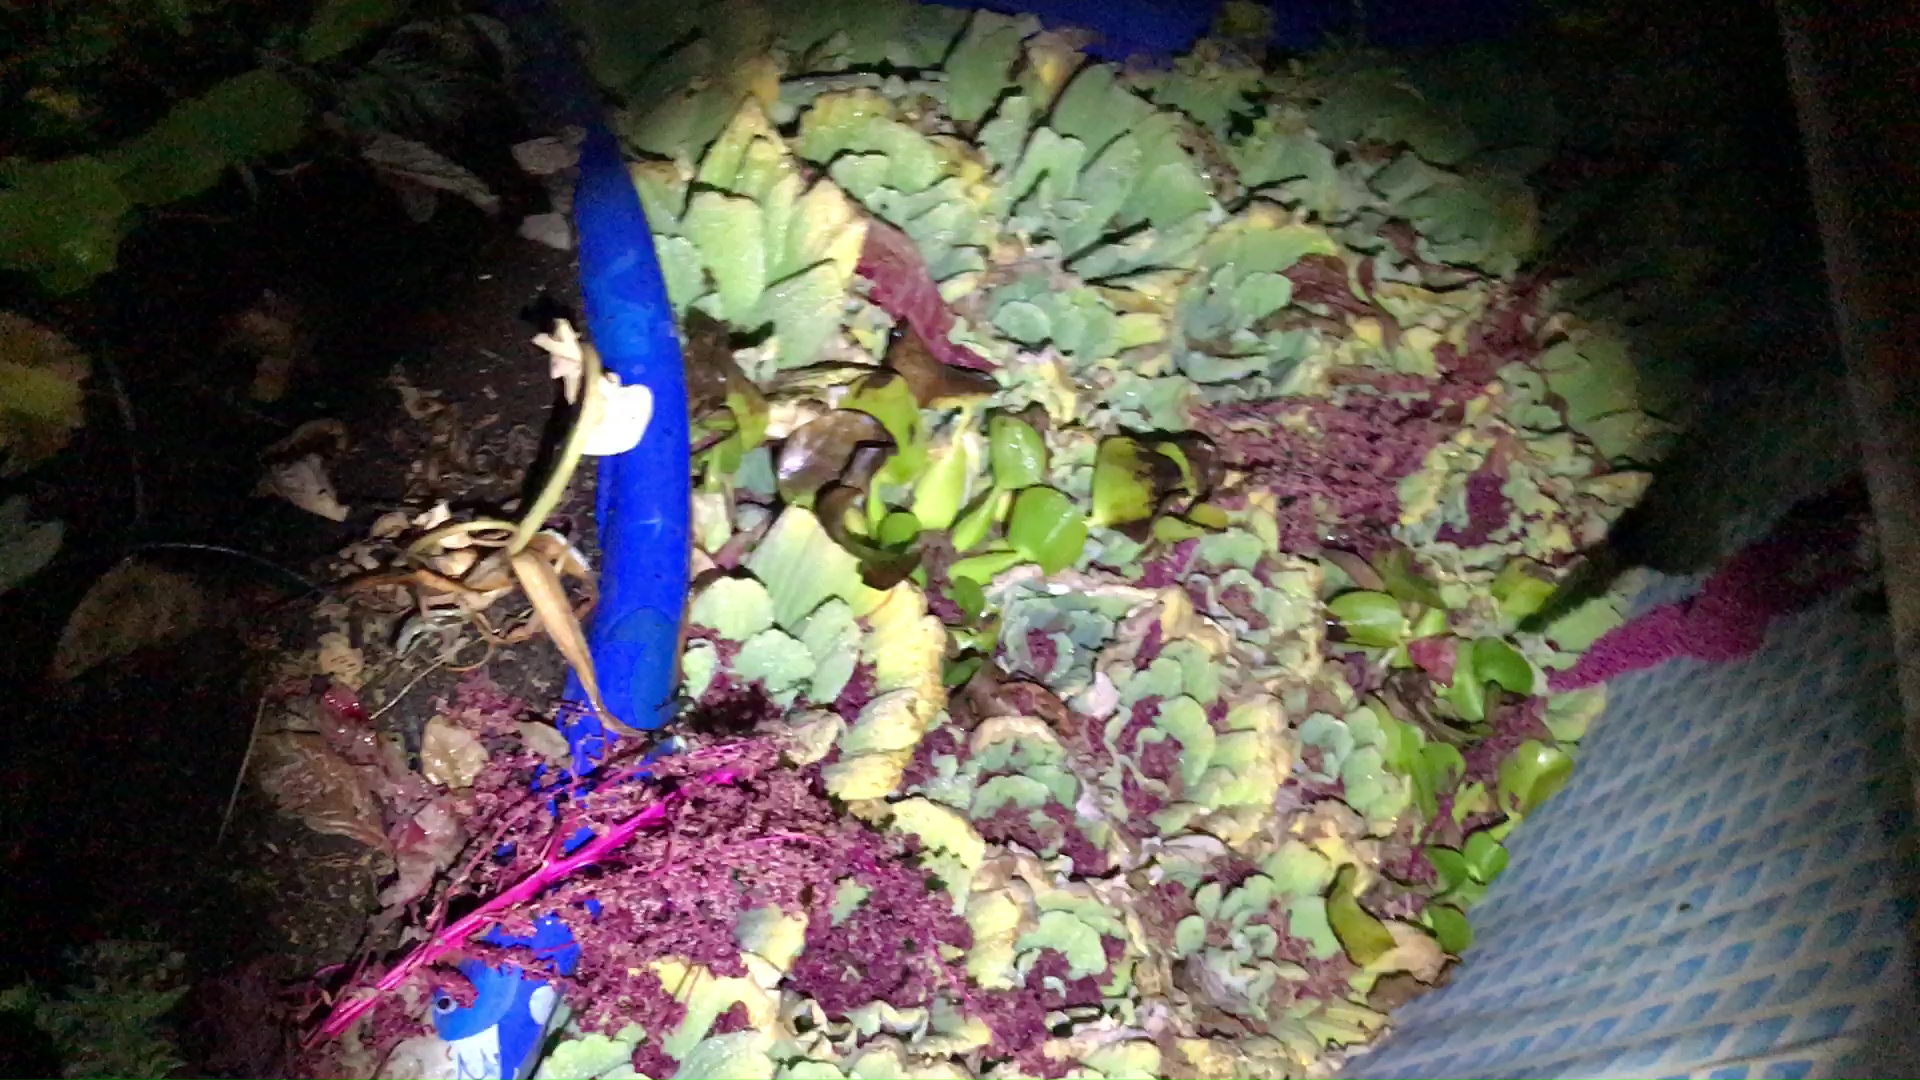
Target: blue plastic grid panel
[[1718, 892]]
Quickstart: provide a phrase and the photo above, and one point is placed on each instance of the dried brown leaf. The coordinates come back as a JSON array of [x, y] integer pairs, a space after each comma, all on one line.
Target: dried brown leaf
[[545, 740], [819, 453], [308, 780], [932, 382], [134, 605], [541, 582], [338, 659]]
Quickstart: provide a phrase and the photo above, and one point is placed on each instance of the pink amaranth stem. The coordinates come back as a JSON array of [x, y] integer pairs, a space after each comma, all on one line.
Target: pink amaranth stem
[[450, 938]]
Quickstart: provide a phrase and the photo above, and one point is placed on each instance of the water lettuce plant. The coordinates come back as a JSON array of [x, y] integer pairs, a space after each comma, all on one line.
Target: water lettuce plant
[[1121, 495]]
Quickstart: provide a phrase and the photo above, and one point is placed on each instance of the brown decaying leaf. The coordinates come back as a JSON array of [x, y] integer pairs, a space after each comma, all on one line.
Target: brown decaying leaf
[[308, 780], [134, 605], [545, 740], [931, 381], [541, 582], [338, 659], [819, 452], [269, 331], [708, 358], [1414, 951], [1360, 570]]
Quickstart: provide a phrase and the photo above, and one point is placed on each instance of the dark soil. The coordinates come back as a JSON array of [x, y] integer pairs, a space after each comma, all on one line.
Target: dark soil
[[115, 785]]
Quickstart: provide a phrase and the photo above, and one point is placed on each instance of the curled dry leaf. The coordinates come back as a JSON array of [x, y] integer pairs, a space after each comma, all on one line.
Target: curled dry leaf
[[1414, 951], [388, 525], [566, 355], [455, 563], [541, 582], [422, 847], [308, 780], [819, 453], [304, 483], [934, 383], [434, 518], [134, 605], [548, 230], [548, 154], [338, 659], [41, 401], [450, 755]]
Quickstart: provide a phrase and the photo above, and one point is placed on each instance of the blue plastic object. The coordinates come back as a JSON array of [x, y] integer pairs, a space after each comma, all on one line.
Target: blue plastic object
[[645, 495], [499, 1036], [1158, 28]]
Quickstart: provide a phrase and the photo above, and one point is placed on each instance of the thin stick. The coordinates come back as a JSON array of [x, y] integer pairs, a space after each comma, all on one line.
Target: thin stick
[[246, 759], [415, 681]]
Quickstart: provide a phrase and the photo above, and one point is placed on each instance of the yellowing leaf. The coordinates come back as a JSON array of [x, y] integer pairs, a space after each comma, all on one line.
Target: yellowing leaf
[[41, 401], [541, 583], [868, 776]]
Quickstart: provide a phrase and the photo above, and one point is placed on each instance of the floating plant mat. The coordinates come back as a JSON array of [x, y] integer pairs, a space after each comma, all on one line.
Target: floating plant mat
[[1118, 493]]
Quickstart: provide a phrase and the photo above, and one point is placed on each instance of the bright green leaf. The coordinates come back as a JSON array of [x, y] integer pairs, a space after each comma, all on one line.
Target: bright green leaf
[[1530, 775], [1017, 452], [1370, 618], [1046, 527], [1496, 661], [1485, 857], [898, 529], [1449, 866], [1450, 927]]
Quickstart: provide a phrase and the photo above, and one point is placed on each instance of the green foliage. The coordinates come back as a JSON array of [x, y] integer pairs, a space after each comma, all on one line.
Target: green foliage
[[64, 214], [111, 1020], [339, 25]]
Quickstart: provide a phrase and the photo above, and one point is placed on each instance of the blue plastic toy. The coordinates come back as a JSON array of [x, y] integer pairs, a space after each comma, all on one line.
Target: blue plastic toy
[[499, 1036]]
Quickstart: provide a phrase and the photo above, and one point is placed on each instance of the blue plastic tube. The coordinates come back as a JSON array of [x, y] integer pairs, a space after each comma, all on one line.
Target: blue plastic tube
[[644, 495]]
